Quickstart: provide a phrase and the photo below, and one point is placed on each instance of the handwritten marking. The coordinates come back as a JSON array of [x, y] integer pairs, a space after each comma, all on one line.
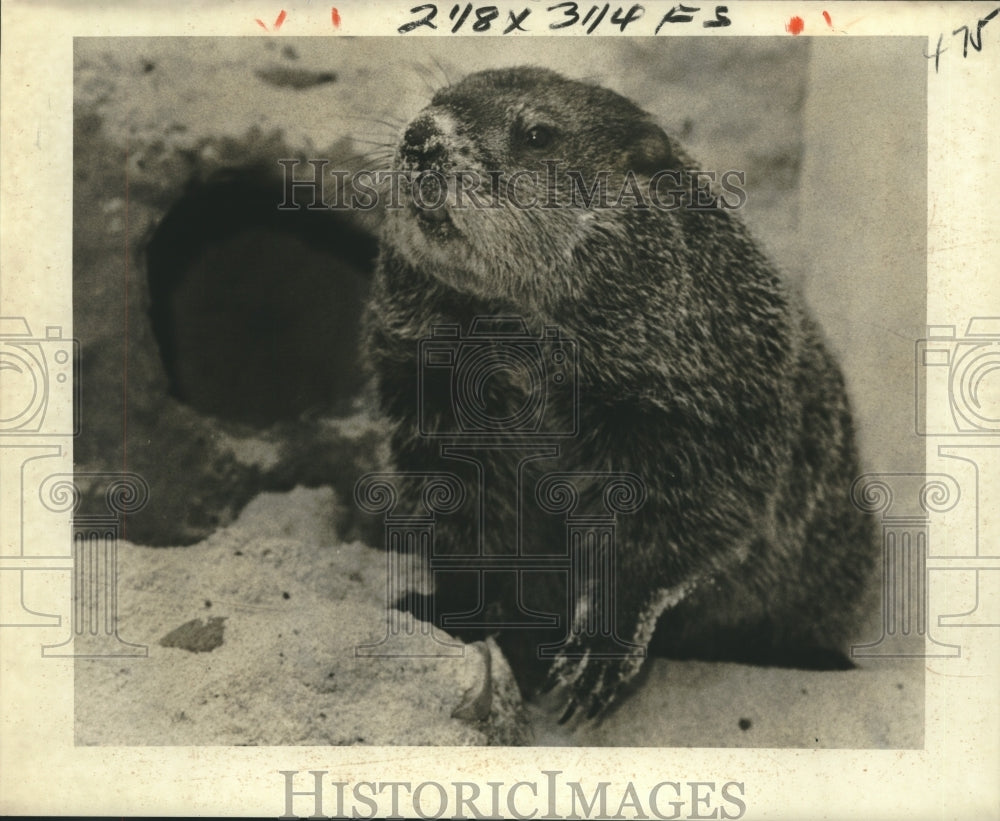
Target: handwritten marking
[[678, 14], [431, 10], [569, 13], [795, 26], [335, 17], [465, 13], [826, 16], [937, 53], [968, 38], [277, 23], [720, 21], [515, 21], [977, 38], [685, 14]]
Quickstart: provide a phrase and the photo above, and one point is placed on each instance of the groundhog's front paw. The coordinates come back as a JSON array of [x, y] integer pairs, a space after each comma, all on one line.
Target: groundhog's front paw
[[591, 676]]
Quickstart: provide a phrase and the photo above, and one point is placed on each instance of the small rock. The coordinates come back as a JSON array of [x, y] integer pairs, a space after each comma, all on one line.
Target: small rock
[[196, 635]]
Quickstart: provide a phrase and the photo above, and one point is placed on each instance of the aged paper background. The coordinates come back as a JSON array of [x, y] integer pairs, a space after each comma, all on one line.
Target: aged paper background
[[41, 771]]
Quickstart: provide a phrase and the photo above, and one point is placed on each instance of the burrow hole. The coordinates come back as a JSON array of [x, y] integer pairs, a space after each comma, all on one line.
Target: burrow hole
[[257, 310]]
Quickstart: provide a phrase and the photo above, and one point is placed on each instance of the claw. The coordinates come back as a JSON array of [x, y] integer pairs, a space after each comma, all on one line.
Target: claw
[[568, 714]]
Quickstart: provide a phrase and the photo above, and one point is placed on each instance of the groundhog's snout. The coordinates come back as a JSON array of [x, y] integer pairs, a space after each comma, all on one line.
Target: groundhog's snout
[[425, 144], [421, 132]]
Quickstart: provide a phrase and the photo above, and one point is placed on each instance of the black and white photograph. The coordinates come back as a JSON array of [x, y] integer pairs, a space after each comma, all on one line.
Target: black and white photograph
[[556, 409]]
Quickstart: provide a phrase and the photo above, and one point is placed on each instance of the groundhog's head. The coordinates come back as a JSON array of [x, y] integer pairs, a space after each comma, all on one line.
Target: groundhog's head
[[506, 174]]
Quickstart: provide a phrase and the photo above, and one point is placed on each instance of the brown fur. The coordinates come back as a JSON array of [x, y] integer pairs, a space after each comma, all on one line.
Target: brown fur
[[700, 372]]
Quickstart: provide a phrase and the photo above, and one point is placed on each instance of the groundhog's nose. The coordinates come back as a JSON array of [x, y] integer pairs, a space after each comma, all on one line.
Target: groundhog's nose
[[420, 131], [424, 144]]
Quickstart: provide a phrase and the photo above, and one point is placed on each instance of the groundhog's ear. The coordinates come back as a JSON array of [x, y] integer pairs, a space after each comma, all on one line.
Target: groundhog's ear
[[651, 150]]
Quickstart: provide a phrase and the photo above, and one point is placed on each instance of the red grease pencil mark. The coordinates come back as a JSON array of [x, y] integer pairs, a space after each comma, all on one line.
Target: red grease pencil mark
[[795, 25], [277, 23], [335, 16], [826, 16]]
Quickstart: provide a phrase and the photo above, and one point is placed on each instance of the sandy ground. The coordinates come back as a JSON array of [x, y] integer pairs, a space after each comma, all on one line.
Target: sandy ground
[[252, 638]]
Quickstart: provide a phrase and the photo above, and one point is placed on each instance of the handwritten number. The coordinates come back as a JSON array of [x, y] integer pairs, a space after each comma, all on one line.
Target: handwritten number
[[597, 21], [570, 10], [406, 28], [600, 17], [965, 41], [633, 14], [485, 17], [937, 53], [465, 13]]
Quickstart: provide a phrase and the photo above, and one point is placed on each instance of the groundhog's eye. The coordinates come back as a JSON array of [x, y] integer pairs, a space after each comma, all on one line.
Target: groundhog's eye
[[539, 136]]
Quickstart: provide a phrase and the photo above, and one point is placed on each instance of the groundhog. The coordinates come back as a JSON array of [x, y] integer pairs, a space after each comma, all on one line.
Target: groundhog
[[688, 368]]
